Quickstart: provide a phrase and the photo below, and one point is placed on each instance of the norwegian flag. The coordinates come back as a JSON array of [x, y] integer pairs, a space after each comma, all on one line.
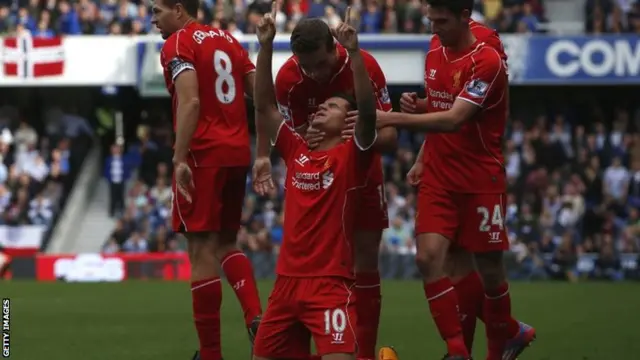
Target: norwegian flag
[[29, 57]]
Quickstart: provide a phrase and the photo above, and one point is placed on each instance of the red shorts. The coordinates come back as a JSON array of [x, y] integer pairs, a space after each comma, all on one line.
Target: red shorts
[[217, 200], [372, 214], [299, 309], [474, 222]]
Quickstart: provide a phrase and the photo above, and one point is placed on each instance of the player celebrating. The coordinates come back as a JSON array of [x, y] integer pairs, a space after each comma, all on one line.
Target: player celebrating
[[313, 290], [207, 73], [460, 266], [319, 69], [461, 196]]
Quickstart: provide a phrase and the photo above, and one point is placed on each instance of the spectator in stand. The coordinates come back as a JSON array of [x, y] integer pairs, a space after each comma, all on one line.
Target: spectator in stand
[[608, 16], [117, 170], [616, 181], [136, 243], [63, 17], [41, 211]]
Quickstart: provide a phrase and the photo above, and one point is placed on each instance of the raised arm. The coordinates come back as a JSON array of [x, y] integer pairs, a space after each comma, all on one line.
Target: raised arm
[[268, 118], [365, 130]]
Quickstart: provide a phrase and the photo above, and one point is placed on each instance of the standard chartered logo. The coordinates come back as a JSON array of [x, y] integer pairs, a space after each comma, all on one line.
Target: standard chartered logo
[[596, 58]]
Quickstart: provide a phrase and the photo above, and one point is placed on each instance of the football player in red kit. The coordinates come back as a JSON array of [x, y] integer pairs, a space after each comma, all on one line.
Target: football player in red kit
[[207, 73], [318, 69], [462, 191], [313, 293], [460, 266]]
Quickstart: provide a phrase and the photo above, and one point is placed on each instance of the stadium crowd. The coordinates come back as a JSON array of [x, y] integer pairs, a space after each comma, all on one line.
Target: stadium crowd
[[62, 17], [573, 190], [36, 169]]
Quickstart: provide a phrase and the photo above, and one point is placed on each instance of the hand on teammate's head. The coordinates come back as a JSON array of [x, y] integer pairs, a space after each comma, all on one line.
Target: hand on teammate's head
[[266, 29], [346, 33], [314, 137], [349, 128]]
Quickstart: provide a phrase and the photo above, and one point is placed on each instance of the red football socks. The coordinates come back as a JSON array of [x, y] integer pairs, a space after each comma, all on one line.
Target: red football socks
[[368, 303], [471, 299], [443, 302], [207, 299], [500, 326], [239, 273]]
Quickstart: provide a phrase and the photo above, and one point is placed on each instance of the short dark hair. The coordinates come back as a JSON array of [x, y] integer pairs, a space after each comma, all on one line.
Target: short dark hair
[[455, 6], [353, 105], [309, 35], [191, 6]]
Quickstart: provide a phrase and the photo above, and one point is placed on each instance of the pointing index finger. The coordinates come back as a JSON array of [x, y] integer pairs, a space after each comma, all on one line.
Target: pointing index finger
[[274, 9], [347, 15]]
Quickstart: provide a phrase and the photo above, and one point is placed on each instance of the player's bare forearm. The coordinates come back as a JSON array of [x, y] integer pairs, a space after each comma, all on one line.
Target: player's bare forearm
[[432, 122], [249, 83], [387, 139], [268, 118], [187, 113], [420, 153], [365, 130], [263, 147], [435, 122]]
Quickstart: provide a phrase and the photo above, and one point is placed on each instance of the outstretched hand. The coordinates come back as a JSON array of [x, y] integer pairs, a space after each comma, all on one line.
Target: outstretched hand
[[266, 29], [346, 33]]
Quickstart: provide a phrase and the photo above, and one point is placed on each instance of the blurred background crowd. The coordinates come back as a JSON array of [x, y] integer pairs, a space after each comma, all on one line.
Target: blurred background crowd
[[574, 196], [36, 171], [48, 18]]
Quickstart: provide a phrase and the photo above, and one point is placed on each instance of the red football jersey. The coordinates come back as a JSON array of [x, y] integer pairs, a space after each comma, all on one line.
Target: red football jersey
[[320, 206], [470, 160], [298, 95], [221, 64], [482, 33]]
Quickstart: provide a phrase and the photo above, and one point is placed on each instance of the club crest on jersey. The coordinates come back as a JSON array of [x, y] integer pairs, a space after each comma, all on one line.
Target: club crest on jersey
[[327, 165], [456, 80], [384, 96], [477, 88]]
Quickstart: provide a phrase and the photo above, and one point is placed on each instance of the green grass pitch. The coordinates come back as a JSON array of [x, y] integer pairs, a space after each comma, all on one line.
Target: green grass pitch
[[152, 320]]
